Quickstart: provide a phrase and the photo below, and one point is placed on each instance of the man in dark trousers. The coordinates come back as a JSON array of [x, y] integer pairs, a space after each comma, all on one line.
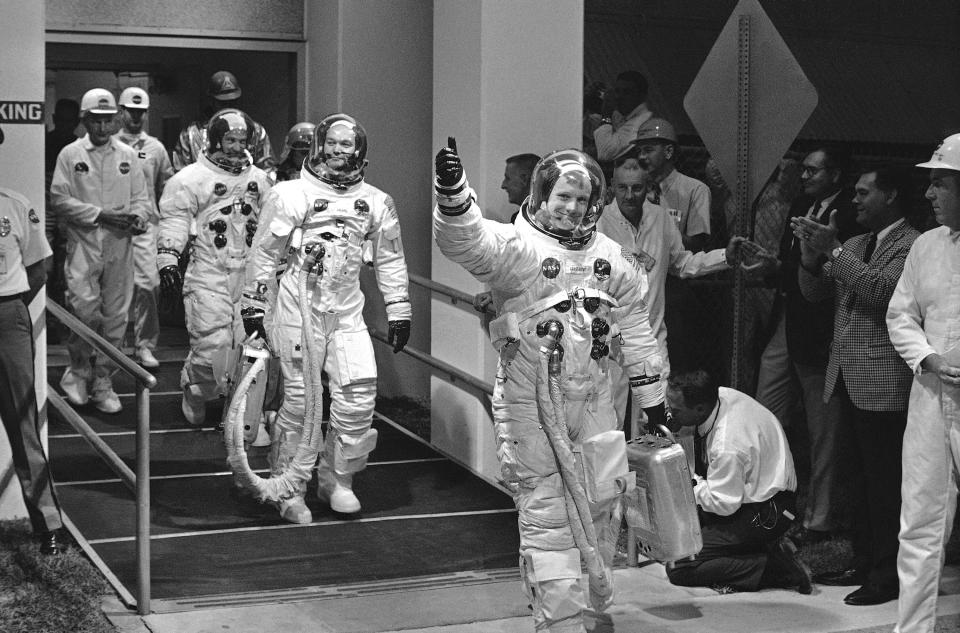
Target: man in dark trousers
[[744, 485], [793, 363], [866, 377], [23, 249]]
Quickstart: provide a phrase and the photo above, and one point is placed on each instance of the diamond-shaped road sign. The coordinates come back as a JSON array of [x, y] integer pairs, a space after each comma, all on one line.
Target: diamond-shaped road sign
[[781, 98]]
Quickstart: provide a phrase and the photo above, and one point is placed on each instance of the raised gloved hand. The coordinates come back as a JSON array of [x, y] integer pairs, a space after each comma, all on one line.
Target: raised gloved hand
[[454, 195], [398, 333], [449, 168], [253, 322], [171, 284]]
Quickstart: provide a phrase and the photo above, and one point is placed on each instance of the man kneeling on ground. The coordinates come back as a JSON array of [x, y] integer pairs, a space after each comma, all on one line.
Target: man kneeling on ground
[[744, 485]]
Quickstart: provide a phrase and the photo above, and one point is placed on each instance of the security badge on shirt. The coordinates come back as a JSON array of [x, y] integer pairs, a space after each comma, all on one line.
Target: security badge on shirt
[[5, 228]]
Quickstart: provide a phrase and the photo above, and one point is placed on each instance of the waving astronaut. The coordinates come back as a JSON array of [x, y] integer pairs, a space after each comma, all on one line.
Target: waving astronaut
[[553, 268], [319, 222], [219, 198]]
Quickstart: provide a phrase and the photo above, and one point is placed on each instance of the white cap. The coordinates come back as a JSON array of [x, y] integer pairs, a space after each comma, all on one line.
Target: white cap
[[946, 156], [98, 101], [134, 97]]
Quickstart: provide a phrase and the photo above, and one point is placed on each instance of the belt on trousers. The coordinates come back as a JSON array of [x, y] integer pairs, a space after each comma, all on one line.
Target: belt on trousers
[[16, 297]]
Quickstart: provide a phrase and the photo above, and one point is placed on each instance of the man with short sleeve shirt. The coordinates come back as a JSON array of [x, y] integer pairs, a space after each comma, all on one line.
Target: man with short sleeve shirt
[[617, 130], [23, 249]]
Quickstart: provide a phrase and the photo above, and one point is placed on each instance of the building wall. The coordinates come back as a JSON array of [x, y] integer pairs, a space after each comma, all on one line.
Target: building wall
[[274, 19]]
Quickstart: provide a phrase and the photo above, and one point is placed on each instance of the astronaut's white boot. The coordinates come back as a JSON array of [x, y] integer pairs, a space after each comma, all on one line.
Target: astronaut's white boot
[[337, 490], [295, 510]]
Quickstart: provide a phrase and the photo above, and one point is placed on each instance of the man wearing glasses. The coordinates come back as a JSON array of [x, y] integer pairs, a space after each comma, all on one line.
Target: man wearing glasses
[[218, 197], [793, 364]]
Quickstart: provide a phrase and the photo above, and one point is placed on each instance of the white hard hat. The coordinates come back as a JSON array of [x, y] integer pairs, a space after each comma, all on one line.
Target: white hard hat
[[946, 156], [98, 101], [134, 97]]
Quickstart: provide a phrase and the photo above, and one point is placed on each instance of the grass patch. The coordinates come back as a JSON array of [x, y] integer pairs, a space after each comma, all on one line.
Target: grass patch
[[47, 594]]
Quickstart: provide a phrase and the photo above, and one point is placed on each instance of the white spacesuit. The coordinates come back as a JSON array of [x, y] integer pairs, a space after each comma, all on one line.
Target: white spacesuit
[[221, 195], [552, 267], [319, 222]]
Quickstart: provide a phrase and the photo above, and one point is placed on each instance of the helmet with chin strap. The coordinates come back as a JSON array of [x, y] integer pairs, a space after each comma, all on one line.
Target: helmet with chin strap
[[318, 163], [568, 214], [221, 123]]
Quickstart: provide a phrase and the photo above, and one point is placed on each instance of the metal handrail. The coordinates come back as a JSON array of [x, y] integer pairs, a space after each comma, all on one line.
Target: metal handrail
[[456, 296], [101, 344], [455, 373], [141, 480]]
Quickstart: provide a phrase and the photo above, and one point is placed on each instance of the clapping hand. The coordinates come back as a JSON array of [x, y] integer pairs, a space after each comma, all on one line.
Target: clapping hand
[[814, 237]]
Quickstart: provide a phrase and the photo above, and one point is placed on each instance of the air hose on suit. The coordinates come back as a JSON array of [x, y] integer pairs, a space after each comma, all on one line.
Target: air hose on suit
[[553, 417], [301, 466]]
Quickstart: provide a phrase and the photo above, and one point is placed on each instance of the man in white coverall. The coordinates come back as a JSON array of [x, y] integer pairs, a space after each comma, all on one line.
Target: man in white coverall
[[551, 268], [922, 320], [99, 193], [157, 170], [319, 223], [221, 195]]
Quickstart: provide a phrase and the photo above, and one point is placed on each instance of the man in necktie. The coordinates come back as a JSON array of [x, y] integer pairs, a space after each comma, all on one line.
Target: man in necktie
[[744, 486], [794, 360], [865, 376]]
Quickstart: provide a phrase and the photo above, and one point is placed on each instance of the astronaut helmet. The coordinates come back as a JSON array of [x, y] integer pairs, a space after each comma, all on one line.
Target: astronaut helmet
[[338, 152], [566, 197], [298, 142], [229, 135]]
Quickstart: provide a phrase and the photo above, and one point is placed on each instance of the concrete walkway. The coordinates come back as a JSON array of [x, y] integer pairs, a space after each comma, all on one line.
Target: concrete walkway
[[645, 603]]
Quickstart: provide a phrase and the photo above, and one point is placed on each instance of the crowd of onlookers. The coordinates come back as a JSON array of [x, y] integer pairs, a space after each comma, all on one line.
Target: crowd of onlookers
[[825, 319], [851, 322]]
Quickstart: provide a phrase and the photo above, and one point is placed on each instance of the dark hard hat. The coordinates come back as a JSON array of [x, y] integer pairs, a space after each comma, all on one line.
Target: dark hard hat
[[224, 86]]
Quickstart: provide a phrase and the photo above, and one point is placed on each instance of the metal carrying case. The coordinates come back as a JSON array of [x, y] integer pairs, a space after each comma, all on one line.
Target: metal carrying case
[[661, 509]]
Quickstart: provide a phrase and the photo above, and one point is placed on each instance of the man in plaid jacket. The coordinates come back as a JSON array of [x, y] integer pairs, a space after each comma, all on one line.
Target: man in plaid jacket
[[865, 373]]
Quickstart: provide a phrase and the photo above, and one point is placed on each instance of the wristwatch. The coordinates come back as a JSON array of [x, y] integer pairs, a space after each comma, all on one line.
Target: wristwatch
[[835, 253]]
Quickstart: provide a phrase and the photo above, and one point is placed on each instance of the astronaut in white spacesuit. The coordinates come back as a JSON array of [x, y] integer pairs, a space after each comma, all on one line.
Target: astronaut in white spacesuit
[[552, 268], [221, 196], [319, 222]]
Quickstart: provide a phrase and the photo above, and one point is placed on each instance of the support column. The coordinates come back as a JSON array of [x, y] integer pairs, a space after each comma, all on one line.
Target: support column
[[507, 79], [373, 60], [21, 169]]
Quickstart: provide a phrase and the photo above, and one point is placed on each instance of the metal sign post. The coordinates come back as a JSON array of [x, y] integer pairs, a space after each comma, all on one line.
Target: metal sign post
[[747, 130], [742, 193]]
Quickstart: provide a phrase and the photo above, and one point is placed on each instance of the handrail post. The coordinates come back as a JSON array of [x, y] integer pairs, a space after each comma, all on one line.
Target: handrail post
[[143, 499]]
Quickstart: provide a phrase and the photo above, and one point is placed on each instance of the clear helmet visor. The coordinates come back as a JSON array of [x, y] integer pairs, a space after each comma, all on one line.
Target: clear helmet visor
[[233, 126], [566, 196], [338, 152]]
